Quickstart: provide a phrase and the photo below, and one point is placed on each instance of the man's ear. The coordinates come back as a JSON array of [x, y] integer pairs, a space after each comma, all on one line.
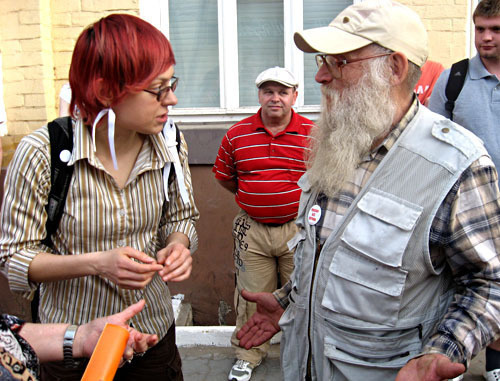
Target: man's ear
[[399, 66], [295, 95]]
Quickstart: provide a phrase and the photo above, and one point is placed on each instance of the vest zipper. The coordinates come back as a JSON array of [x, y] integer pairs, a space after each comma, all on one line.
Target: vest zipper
[[309, 357]]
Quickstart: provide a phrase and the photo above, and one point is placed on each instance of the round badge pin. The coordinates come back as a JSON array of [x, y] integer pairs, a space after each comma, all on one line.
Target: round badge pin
[[314, 215], [64, 156]]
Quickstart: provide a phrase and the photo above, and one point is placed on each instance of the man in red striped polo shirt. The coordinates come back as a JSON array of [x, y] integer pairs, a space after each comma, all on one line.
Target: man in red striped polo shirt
[[260, 160]]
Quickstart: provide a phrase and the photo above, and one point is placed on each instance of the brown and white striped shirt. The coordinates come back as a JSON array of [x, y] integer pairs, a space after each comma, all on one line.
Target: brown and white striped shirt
[[98, 216]]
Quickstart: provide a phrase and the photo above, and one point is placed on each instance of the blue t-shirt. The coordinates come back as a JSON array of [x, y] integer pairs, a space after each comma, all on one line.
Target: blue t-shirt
[[477, 108]]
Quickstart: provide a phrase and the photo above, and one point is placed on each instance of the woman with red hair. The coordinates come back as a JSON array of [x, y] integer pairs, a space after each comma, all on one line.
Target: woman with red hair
[[127, 226]]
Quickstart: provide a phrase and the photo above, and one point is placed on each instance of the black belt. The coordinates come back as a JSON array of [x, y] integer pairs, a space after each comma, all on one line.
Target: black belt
[[272, 224]]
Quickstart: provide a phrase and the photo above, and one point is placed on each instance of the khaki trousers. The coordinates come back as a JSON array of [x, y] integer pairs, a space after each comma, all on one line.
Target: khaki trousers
[[260, 255]]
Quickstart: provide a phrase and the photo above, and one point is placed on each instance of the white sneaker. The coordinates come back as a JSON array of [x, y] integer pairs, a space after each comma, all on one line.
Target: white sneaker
[[492, 375], [241, 371]]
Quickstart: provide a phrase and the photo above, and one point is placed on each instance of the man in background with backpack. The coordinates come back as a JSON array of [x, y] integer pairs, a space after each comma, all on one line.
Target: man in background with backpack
[[470, 96]]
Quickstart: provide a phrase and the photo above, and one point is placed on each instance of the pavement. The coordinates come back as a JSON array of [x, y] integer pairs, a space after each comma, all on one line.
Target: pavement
[[207, 354], [213, 360], [204, 363]]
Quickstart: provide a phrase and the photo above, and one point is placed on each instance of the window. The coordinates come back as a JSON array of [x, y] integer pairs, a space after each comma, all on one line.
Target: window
[[260, 43], [317, 13], [194, 39], [222, 45]]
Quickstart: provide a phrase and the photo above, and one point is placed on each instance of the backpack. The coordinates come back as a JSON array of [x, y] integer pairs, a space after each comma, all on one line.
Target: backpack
[[455, 83], [61, 139]]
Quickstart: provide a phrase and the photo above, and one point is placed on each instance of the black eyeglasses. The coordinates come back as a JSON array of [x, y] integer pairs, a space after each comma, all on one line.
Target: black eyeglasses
[[335, 66], [162, 92]]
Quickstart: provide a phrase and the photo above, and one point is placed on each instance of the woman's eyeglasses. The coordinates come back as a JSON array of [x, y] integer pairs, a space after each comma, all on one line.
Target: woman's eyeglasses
[[162, 92]]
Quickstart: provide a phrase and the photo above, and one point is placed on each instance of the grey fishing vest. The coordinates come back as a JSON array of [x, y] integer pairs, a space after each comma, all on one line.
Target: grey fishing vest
[[374, 297]]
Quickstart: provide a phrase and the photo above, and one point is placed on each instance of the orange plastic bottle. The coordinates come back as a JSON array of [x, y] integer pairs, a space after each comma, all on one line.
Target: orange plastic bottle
[[107, 354]]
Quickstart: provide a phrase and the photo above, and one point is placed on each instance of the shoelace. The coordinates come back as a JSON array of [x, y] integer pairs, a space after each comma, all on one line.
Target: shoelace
[[242, 364]]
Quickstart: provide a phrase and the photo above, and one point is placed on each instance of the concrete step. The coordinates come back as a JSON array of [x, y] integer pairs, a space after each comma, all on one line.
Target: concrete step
[[207, 354], [183, 313]]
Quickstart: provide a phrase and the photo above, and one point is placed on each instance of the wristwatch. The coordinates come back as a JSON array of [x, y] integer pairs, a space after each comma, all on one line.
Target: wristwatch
[[69, 338]]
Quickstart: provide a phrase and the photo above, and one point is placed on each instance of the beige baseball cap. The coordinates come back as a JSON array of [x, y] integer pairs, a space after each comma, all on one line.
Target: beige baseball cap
[[277, 74], [384, 22]]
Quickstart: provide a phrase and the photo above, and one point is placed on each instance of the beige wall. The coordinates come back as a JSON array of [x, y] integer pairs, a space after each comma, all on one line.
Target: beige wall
[[447, 24]]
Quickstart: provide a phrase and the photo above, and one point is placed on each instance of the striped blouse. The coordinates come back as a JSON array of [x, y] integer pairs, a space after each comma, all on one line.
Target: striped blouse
[[98, 216], [267, 167]]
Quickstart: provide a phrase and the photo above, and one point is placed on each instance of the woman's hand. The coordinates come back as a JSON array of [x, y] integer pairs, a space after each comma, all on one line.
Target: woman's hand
[[126, 267], [177, 262], [88, 334]]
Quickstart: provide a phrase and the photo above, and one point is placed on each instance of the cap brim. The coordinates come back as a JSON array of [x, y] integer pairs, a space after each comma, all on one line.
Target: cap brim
[[329, 40], [277, 81]]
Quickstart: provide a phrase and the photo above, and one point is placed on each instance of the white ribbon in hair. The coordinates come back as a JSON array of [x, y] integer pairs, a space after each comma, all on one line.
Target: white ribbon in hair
[[169, 133], [111, 132]]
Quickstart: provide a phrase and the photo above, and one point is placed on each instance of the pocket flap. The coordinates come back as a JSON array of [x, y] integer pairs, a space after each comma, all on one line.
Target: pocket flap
[[390, 209], [299, 236], [366, 272]]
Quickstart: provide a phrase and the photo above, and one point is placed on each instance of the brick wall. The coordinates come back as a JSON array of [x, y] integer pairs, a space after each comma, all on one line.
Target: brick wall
[[36, 41], [447, 24]]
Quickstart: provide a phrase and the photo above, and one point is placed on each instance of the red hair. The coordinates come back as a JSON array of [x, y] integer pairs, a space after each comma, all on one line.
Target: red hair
[[113, 57]]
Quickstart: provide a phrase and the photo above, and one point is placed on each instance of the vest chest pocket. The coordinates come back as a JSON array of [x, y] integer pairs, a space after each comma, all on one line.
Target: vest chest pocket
[[366, 278]]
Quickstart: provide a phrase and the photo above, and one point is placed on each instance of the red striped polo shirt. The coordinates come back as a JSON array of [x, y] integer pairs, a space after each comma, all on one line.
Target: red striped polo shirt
[[267, 167]]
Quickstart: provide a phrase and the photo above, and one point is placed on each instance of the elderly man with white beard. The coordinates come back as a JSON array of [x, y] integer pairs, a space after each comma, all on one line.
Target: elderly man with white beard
[[396, 266]]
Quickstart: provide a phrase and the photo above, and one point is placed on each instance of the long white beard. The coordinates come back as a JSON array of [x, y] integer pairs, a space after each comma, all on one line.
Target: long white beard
[[349, 123]]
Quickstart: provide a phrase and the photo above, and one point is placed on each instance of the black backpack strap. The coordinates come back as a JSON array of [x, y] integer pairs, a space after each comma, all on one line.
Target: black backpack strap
[[177, 137], [455, 83], [61, 138], [178, 146]]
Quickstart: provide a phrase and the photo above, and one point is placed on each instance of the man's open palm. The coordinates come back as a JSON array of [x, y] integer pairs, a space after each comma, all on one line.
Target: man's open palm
[[263, 324]]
